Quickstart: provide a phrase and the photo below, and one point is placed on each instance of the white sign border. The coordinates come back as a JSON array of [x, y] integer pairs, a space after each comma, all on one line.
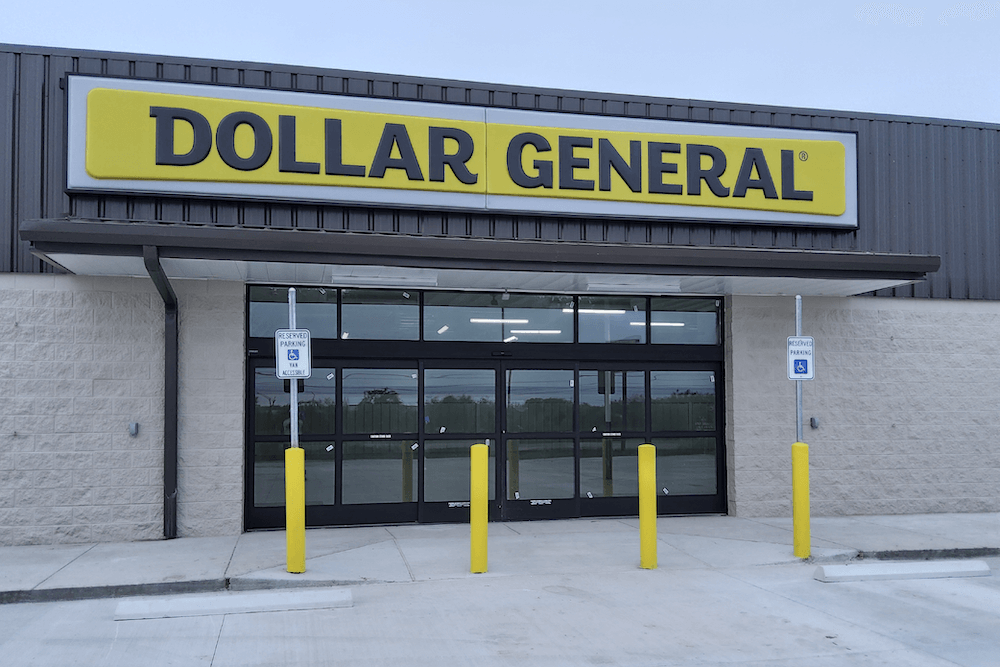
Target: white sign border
[[77, 178]]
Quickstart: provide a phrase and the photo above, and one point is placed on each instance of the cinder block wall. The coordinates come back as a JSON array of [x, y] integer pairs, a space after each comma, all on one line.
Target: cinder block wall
[[80, 358], [211, 407], [906, 393]]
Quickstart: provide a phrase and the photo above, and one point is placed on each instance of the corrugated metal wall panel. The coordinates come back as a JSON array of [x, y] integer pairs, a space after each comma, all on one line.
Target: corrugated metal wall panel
[[925, 185]]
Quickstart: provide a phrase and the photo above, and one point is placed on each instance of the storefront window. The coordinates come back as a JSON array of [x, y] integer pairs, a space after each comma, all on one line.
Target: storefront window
[[380, 315], [684, 321], [606, 319], [316, 310], [380, 400], [682, 400], [539, 401], [498, 317]]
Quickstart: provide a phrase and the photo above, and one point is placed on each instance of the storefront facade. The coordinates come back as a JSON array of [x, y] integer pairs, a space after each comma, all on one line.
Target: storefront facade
[[561, 275]]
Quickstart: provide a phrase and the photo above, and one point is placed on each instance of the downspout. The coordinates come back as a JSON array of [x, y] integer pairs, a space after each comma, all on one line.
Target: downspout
[[151, 258]]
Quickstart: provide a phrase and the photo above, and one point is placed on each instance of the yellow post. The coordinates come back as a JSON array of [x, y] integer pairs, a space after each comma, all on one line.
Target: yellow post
[[295, 509], [478, 506], [647, 507], [800, 499]]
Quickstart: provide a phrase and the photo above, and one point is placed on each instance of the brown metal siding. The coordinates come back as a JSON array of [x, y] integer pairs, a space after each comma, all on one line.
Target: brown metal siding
[[925, 186]]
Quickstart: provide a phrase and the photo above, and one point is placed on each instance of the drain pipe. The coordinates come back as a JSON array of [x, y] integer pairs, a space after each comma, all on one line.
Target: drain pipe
[[151, 258]]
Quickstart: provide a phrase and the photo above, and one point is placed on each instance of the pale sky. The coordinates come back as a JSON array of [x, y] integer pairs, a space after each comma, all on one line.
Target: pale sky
[[936, 59]]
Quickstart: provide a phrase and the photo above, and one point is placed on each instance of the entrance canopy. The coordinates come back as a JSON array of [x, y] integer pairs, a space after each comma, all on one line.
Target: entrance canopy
[[360, 259]]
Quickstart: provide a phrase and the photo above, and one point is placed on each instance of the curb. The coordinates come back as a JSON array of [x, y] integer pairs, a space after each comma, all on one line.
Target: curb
[[119, 591], [930, 554]]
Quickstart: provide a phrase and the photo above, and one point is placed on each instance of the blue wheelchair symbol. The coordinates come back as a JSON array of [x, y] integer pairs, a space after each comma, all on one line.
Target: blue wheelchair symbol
[[801, 366], [293, 355]]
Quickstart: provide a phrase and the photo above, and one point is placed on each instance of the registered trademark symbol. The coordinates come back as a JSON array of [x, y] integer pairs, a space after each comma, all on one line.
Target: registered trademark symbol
[[803, 156]]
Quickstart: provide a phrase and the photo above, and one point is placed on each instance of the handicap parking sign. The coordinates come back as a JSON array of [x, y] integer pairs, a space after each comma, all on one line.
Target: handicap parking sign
[[800, 358], [293, 355]]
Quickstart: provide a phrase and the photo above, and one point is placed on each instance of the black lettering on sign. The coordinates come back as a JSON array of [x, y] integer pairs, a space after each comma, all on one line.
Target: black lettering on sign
[[609, 158], [286, 149], [335, 154], [514, 150], [225, 141], [165, 118], [438, 158], [657, 168], [788, 190], [395, 134], [569, 162], [754, 158], [696, 174]]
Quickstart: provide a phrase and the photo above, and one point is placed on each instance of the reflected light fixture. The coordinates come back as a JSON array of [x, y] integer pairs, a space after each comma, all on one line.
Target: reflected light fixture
[[542, 332], [597, 311], [498, 320]]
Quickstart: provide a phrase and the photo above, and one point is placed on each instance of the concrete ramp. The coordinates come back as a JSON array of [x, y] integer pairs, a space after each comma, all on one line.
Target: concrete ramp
[[929, 569]]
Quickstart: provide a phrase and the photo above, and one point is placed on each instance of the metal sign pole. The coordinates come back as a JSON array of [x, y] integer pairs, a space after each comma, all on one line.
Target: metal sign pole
[[798, 383], [294, 383]]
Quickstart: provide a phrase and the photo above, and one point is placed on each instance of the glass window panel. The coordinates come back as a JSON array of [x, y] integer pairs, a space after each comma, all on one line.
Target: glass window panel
[[540, 469], [459, 400], [446, 470], [317, 403], [606, 319], [380, 314], [686, 466], [315, 309], [682, 400], [612, 401], [609, 467], [496, 317], [539, 401], [269, 473], [380, 471], [380, 400], [684, 321]]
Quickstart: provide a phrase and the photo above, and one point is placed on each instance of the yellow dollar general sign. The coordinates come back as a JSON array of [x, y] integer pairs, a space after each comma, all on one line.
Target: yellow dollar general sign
[[191, 139]]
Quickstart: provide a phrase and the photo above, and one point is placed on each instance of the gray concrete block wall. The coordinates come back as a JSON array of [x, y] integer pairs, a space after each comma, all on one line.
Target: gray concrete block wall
[[906, 393], [80, 358], [212, 363]]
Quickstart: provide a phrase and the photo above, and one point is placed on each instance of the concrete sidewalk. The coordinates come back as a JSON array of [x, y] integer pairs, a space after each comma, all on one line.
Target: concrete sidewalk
[[415, 553]]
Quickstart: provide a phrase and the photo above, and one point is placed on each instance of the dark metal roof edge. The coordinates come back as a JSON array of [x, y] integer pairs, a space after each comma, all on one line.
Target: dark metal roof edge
[[78, 236], [514, 88]]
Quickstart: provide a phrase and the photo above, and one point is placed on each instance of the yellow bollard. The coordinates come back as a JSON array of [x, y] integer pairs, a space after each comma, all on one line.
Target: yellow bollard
[[295, 509], [800, 499], [647, 507], [479, 484]]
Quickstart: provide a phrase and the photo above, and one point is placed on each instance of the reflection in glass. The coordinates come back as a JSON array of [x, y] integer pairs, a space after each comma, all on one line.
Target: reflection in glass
[[498, 317], [446, 470], [380, 314], [317, 403], [612, 401], [682, 400], [608, 319], [540, 469], [380, 471], [459, 400], [686, 466], [316, 310], [677, 321], [609, 467], [539, 401], [269, 473], [380, 400]]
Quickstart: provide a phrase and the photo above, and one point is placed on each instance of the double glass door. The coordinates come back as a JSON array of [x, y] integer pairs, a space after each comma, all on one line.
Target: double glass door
[[389, 442]]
